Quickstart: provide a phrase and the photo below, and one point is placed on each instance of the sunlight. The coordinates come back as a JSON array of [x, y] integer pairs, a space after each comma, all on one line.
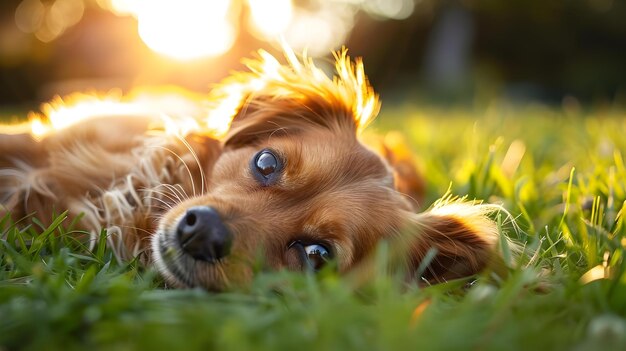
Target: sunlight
[[63, 113], [186, 29], [321, 31], [231, 96], [194, 29], [120, 7], [176, 111], [183, 29], [220, 117], [270, 21], [190, 29]]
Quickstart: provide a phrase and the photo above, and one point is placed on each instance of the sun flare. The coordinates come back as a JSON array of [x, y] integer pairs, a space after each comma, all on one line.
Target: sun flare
[[183, 29]]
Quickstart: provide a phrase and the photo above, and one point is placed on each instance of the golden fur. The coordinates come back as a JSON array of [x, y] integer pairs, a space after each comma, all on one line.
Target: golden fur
[[139, 180]]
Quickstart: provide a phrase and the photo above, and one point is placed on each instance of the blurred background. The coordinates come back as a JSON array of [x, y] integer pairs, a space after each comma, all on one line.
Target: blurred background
[[440, 51]]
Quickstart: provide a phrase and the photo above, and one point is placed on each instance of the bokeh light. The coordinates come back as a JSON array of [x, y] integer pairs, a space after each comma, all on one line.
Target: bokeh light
[[193, 29], [270, 21], [48, 20], [384, 9], [29, 15], [320, 31]]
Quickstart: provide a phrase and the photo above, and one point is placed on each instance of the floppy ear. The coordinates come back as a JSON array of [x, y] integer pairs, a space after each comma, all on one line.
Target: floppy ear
[[406, 175], [272, 97], [459, 234]]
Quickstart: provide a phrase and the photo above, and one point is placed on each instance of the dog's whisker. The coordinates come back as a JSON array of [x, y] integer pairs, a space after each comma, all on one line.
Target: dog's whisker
[[137, 229], [183, 164], [170, 195], [193, 154], [163, 206], [178, 190], [171, 192], [162, 197]]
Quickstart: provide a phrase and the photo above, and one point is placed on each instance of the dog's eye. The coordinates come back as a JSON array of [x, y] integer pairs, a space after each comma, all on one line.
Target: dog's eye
[[317, 255], [313, 256], [266, 167], [266, 163]]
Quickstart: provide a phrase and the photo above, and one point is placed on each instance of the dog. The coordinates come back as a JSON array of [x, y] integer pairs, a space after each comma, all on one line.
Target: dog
[[270, 167]]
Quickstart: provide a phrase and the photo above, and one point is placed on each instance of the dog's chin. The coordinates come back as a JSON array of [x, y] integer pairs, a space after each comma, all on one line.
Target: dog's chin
[[183, 271]]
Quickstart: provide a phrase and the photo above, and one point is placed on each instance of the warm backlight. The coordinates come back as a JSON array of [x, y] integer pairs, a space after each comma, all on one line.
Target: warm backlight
[[182, 29], [194, 29], [270, 19]]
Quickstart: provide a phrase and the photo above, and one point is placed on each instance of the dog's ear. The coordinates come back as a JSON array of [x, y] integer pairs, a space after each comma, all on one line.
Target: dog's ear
[[406, 174], [452, 240], [287, 98]]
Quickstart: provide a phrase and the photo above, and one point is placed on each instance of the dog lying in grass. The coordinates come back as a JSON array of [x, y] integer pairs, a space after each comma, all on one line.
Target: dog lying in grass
[[270, 167]]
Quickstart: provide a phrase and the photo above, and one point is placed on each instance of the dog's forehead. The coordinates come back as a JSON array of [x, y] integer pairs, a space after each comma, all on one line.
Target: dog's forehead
[[335, 155]]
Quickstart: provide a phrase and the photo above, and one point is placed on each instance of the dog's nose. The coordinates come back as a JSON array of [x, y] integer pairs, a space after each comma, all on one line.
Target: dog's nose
[[202, 234]]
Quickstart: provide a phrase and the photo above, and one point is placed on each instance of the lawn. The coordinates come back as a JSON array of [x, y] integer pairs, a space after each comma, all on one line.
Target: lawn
[[559, 171]]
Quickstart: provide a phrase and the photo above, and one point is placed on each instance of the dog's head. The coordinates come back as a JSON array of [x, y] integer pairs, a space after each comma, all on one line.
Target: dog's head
[[294, 187]]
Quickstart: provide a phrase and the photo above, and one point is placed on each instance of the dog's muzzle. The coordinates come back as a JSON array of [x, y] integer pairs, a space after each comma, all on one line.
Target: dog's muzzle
[[202, 234]]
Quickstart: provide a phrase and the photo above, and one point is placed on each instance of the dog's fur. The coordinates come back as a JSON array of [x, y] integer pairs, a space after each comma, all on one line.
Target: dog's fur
[[138, 180]]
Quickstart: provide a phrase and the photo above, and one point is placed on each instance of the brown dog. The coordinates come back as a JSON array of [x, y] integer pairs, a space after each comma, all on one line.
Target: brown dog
[[289, 183]]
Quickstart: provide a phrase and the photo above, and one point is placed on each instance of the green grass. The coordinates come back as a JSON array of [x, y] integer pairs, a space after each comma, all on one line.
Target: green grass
[[567, 194]]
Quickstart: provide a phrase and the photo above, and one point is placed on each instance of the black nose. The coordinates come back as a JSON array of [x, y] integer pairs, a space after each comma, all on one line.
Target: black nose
[[202, 234]]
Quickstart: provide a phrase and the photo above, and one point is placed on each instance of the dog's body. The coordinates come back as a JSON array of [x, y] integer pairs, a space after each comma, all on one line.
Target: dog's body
[[289, 183]]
